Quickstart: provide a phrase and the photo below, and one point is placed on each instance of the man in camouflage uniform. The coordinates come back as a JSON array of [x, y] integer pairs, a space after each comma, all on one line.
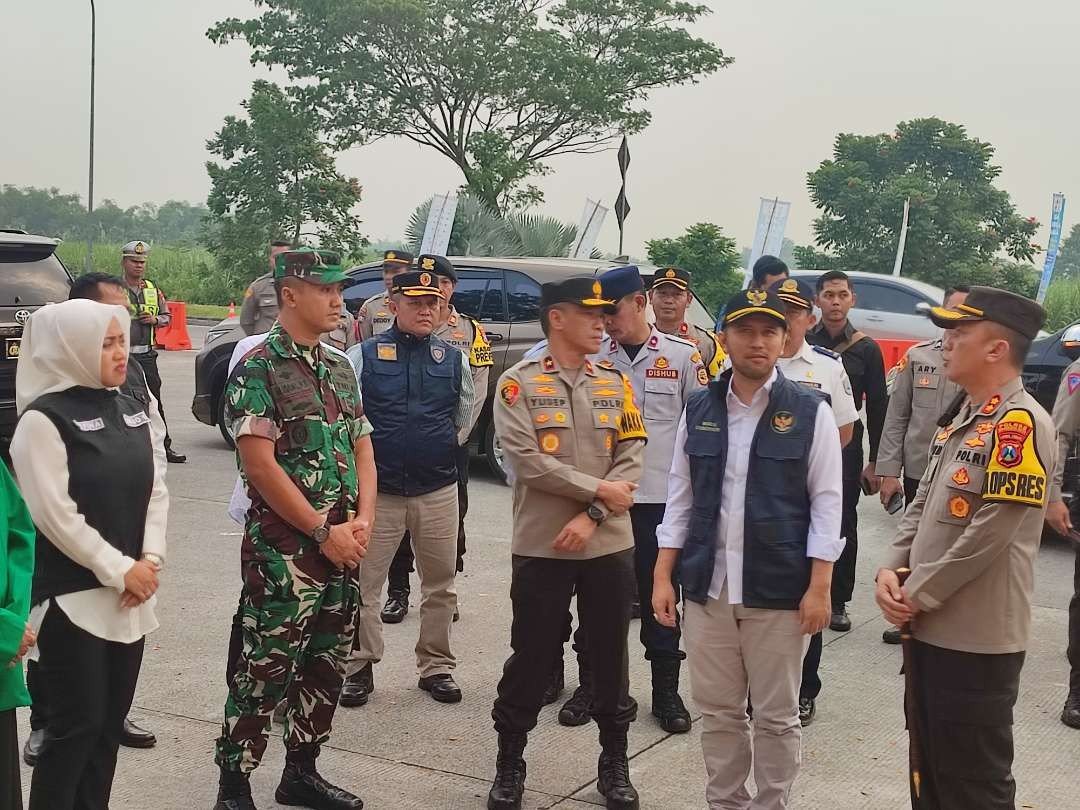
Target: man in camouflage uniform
[[260, 307], [670, 297], [467, 336], [375, 316], [305, 453]]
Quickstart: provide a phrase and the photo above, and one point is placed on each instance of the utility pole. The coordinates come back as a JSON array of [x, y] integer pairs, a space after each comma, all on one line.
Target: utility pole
[[90, 192]]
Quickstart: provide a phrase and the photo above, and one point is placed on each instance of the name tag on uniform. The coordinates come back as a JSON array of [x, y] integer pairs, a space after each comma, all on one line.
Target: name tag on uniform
[[136, 419], [663, 373], [89, 425], [387, 351]]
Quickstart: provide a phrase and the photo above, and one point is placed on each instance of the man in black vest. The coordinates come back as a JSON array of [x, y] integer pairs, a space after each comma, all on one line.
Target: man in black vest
[[418, 393], [753, 523]]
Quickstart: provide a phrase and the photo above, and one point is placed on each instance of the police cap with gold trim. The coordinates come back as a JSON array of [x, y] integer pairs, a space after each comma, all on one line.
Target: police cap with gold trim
[[754, 302], [136, 249], [675, 276], [397, 258], [416, 283], [439, 265], [991, 304], [583, 291], [311, 265], [794, 291]]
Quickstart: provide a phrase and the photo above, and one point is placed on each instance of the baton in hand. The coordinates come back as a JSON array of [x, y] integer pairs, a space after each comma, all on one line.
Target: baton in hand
[[911, 702]]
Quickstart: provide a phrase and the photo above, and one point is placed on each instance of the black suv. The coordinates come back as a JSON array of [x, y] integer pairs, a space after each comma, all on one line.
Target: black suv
[[30, 276]]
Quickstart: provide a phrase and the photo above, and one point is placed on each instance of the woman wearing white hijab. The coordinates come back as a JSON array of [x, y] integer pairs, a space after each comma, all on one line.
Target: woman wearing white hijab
[[83, 456]]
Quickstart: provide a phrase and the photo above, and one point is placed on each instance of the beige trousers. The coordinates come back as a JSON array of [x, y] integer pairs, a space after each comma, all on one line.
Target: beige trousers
[[432, 520], [733, 650]]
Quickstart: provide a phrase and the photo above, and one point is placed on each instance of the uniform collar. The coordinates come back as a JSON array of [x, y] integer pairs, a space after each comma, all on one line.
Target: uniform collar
[[452, 317], [652, 343], [992, 406], [764, 391], [549, 365], [847, 334], [282, 344], [805, 352], [684, 330]]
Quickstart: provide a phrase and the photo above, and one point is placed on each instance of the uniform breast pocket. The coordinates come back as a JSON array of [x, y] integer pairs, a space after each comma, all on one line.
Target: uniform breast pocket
[[963, 497], [606, 423], [662, 401], [554, 439], [302, 434], [925, 393]]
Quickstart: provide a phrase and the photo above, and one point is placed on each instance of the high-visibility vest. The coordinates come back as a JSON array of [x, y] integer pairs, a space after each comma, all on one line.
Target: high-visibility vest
[[151, 305]]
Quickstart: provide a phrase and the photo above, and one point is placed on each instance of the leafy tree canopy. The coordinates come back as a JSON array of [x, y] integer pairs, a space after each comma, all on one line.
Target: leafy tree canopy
[[712, 259], [496, 86]]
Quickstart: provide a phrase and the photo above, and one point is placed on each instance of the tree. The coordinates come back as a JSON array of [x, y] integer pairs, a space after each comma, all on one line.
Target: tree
[[807, 257], [712, 259], [496, 86], [957, 216], [279, 181], [1068, 259]]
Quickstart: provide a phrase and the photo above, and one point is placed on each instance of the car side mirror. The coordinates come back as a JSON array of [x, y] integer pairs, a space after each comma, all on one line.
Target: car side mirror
[[1070, 342], [923, 308]]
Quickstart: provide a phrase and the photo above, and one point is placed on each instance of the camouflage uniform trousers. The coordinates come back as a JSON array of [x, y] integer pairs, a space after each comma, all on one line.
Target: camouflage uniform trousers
[[299, 617]]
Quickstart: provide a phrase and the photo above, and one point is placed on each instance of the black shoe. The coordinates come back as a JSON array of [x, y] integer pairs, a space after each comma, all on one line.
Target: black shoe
[[556, 684], [509, 785], [358, 687], [457, 614], [1070, 715], [575, 712], [134, 737], [234, 792], [667, 706], [807, 710], [840, 621], [613, 773], [891, 636], [174, 458], [442, 688], [32, 750], [301, 785], [396, 607]]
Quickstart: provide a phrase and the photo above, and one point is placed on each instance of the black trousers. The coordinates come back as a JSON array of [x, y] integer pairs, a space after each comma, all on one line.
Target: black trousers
[[11, 781], [911, 488], [1073, 650], [38, 706], [402, 564], [811, 663], [965, 707], [540, 593], [843, 582], [88, 684], [660, 643], [148, 363]]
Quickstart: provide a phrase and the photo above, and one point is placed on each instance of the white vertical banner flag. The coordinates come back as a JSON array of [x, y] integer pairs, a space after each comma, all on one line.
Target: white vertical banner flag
[[440, 223], [769, 234], [588, 229], [903, 240]]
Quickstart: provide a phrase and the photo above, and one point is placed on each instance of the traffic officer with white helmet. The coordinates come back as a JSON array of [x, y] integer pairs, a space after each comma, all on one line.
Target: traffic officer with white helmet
[[375, 316], [664, 370], [670, 298]]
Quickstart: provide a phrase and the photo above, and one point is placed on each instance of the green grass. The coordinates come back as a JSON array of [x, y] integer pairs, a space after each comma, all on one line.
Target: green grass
[[1062, 303], [209, 311]]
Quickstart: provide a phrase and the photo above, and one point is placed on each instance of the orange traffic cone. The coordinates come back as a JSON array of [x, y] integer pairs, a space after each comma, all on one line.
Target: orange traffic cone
[[232, 309]]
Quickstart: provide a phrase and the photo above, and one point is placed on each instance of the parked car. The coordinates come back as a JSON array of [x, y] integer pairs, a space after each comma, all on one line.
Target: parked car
[[503, 294], [31, 276], [890, 307]]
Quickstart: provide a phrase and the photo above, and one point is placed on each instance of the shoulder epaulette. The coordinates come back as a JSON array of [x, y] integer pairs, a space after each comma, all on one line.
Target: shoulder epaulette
[[677, 339], [826, 352]]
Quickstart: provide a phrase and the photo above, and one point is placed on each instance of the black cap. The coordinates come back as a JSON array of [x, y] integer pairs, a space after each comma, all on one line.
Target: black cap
[[754, 302], [675, 276], [439, 265], [585, 292], [794, 291], [414, 284], [397, 257], [991, 304], [619, 282]]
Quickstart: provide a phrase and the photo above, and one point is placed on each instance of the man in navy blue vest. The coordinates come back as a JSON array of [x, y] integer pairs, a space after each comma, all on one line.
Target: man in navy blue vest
[[753, 524], [419, 391]]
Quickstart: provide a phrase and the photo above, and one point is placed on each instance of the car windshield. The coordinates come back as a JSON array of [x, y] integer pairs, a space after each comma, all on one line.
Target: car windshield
[[29, 279]]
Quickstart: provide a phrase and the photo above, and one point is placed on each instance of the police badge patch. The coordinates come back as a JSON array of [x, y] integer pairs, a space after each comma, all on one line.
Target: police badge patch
[[438, 353]]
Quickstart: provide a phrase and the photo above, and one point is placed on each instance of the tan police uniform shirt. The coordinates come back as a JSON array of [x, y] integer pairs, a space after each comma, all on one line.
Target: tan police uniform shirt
[[971, 535], [260, 307], [374, 316], [664, 373], [344, 336], [823, 369], [1066, 423], [712, 355], [467, 336], [562, 433], [919, 394]]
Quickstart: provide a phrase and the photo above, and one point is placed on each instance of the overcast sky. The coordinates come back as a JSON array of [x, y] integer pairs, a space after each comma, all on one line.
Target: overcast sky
[[803, 72]]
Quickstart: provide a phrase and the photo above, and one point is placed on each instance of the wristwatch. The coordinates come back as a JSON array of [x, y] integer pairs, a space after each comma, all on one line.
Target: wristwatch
[[595, 514], [321, 533], [155, 560]]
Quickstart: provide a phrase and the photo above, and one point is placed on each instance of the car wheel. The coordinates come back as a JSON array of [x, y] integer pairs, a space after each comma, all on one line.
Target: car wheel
[[493, 451], [223, 424]]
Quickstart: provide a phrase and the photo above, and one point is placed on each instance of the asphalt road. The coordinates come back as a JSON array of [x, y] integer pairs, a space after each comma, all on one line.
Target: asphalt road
[[404, 751]]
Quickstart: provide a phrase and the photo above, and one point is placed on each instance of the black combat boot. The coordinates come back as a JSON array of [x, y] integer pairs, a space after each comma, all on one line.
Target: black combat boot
[[613, 773], [234, 792], [575, 712], [301, 785], [358, 687], [509, 785], [396, 607], [667, 706], [556, 684], [1070, 715]]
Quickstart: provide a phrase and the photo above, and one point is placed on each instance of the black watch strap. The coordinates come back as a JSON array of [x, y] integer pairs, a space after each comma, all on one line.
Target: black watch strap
[[595, 514]]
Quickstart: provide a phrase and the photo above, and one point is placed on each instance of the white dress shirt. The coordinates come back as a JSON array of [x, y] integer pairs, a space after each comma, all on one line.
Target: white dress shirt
[[824, 483], [816, 370]]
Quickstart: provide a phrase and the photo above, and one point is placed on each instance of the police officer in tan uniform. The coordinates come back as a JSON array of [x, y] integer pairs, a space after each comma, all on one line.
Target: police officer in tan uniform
[[670, 297], [1063, 520], [260, 307], [375, 316], [574, 441], [970, 539]]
